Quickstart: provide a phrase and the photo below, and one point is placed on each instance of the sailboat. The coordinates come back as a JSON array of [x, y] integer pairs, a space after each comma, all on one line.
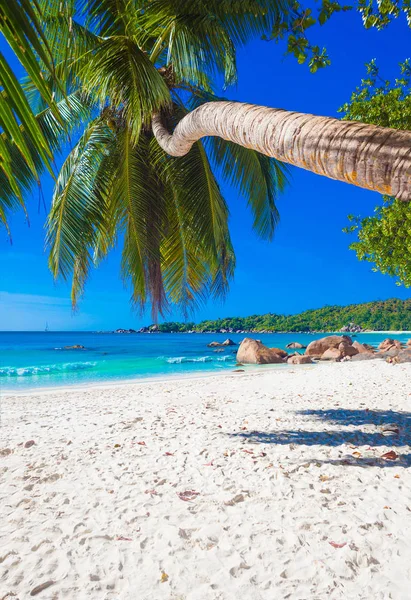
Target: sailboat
[[46, 327]]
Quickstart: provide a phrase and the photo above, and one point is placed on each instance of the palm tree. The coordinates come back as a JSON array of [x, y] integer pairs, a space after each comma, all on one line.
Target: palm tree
[[116, 64], [122, 73]]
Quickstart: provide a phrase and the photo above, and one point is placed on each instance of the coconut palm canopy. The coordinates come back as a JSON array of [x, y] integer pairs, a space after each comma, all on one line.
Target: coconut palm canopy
[[97, 71], [113, 77]]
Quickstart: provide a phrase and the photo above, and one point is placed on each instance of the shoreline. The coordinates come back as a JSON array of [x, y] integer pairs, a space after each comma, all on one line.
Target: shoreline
[[178, 377], [223, 375], [8, 387]]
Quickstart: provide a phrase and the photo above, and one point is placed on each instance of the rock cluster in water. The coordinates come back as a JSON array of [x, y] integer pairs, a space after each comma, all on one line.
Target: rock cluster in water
[[151, 329], [75, 347], [227, 342]]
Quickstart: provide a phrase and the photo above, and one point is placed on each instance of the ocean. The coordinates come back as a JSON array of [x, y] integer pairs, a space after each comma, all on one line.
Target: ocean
[[32, 360]]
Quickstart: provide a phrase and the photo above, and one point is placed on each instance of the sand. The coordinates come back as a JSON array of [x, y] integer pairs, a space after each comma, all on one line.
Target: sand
[[238, 486]]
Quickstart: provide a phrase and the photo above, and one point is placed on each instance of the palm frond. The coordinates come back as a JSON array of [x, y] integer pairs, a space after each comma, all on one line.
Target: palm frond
[[10, 185], [185, 272], [200, 38], [111, 17], [130, 190], [21, 26], [120, 74], [77, 209], [191, 38], [259, 179], [15, 110], [205, 261], [246, 19], [10, 193], [70, 42], [55, 8], [74, 111]]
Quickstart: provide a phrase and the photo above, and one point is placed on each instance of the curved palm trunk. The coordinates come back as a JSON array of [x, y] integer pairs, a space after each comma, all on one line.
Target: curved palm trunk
[[375, 158]]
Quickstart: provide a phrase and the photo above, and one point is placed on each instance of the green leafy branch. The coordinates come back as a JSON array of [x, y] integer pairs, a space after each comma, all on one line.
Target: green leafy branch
[[294, 23], [384, 238]]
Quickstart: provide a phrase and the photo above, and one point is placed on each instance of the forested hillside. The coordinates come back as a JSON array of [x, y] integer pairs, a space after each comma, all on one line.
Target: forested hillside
[[390, 314]]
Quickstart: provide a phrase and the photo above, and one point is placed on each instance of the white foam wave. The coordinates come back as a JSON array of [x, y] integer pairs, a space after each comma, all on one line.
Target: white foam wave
[[45, 369], [177, 360]]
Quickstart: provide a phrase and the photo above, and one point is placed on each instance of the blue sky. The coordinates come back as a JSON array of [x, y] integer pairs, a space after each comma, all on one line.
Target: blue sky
[[308, 264]]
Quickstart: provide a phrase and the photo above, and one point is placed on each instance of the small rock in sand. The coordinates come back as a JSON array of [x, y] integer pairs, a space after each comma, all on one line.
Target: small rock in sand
[[297, 359], [41, 587], [238, 498]]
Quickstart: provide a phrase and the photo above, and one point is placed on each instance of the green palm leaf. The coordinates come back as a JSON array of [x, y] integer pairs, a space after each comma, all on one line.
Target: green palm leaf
[[200, 255], [70, 42], [74, 111], [14, 103], [111, 17], [77, 210], [131, 192], [193, 40], [258, 178], [199, 38], [21, 26], [119, 73]]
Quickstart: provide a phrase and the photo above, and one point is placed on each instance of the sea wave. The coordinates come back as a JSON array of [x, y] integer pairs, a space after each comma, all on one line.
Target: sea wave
[[45, 369], [173, 360]]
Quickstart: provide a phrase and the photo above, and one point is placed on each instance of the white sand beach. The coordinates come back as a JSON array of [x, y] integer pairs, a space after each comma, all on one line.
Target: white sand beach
[[238, 486]]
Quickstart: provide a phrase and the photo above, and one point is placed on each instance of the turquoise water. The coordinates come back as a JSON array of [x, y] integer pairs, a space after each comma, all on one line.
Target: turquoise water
[[32, 360]]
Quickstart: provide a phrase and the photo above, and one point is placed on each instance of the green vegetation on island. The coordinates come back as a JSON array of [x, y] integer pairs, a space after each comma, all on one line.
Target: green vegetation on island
[[386, 315]]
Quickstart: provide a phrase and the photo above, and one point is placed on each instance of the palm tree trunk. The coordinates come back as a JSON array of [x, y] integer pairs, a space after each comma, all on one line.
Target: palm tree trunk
[[375, 158]]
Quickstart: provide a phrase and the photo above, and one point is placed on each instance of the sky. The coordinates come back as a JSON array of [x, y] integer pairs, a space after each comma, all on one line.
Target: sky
[[307, 265]]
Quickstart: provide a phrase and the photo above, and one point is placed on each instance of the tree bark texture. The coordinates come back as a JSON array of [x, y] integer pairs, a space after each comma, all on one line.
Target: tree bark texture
[[371, 157]]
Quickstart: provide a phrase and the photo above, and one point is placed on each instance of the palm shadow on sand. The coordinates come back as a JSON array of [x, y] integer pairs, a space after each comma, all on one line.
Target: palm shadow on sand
[[376, 421]]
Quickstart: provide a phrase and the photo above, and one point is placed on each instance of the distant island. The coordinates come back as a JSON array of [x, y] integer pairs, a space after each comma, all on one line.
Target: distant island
[[385, 315]]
